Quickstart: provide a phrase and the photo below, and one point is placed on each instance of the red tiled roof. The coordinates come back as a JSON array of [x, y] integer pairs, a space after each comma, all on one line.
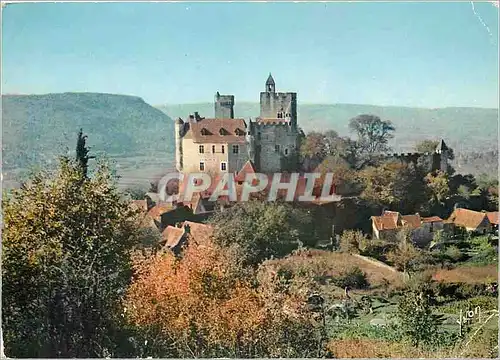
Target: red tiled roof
[[285, 178], [413, 221], [212, 128], [199, 233], [493, 217], [385, 222], [391, 220], [432, 219], [156, 211], [172, 236], [468, 218], [248, 168]]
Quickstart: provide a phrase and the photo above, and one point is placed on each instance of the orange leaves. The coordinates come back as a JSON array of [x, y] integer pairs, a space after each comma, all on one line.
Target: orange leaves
[[207, 297]]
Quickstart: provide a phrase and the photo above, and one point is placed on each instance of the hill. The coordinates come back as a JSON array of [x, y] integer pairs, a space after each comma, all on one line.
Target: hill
[[465, 129], [471, 132], [37, 128], [140, 137]]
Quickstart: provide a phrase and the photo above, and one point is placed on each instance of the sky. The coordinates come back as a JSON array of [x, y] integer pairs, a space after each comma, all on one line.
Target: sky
[[401, 54]]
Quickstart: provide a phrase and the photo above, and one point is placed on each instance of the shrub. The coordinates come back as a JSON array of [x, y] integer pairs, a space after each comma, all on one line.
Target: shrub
[[416, 320], [354, 278], [350, 241], [484, 302], [454, 253], [263, 230]]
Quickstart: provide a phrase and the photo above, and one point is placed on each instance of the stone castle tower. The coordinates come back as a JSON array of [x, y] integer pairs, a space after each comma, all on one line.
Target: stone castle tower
[[278, 105], [433, 161], [225, 144], [224, 106]]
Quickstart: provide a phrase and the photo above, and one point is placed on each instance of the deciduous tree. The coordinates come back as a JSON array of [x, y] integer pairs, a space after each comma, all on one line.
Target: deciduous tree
[[65, 263], [263, 229], [373, 135]]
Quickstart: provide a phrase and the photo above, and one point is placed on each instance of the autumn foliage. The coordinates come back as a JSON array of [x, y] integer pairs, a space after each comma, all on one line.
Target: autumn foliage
[[206, 304]]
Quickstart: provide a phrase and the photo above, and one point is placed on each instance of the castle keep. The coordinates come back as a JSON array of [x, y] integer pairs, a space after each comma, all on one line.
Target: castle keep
[[225, 144]]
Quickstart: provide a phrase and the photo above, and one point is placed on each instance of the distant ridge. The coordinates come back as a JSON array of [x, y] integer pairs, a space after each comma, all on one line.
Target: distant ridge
[[464, 128], [37, 128], [140, 137]]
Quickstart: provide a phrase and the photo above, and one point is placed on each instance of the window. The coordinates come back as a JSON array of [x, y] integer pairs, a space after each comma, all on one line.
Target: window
[[201, 148], [223, 166], [236, 149], [202, 166], [280, 115], [222, 149], [213, 149], [286, 151], [276, 148]]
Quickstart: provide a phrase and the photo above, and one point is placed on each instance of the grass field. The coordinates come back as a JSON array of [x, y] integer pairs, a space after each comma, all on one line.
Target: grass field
[[468, 274]]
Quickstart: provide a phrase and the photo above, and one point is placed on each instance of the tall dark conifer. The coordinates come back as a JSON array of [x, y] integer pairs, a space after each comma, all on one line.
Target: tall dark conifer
[[82, 152]]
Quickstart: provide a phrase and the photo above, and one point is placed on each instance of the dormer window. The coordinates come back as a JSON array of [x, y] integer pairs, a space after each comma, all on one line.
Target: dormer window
[[239, 132], [223, 131], [204, 131]]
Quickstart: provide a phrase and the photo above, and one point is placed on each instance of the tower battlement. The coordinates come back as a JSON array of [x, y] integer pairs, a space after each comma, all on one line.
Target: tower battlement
[[224, 106]]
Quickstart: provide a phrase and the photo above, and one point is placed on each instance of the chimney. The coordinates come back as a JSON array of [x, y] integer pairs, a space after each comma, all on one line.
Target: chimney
[[196, 116], [187, 229]]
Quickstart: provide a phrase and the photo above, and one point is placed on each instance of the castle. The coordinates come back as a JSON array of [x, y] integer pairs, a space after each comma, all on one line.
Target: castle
[[433, 161], [224, 144]]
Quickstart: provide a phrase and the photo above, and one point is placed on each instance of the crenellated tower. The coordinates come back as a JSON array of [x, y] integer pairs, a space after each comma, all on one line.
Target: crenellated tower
[[224, 106], [278, 105]]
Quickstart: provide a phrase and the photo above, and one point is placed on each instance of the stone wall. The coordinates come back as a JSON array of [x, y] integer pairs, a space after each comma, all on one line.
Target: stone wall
[[192, 156], [224, 106], [271, 103], [274, 141]]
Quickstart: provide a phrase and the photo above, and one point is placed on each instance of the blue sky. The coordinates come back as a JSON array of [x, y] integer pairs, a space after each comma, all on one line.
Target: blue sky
[[404, 54]]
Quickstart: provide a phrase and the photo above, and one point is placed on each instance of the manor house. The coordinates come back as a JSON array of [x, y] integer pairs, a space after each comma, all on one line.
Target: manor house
[[225, 143]]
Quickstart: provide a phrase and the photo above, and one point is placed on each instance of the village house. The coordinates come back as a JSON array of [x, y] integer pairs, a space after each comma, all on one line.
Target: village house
[[473, 221], [390, 223], [174, 238], [494, 219]]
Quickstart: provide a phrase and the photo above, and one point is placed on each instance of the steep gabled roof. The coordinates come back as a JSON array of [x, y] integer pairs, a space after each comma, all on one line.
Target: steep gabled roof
[[441, 147], [172, 236], [197, 232], [385, 222], [493, 217], [432, 219], [270, 80], [248, 168], [413, 221], [218, 131], [156, 211], [468, 218], [392, 220]]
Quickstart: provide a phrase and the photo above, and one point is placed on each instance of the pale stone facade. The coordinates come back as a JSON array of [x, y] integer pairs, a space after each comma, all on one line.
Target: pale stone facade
[[225, 144]]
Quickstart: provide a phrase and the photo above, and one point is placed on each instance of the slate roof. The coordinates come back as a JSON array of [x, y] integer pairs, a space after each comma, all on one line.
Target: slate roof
[[270, 80]]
